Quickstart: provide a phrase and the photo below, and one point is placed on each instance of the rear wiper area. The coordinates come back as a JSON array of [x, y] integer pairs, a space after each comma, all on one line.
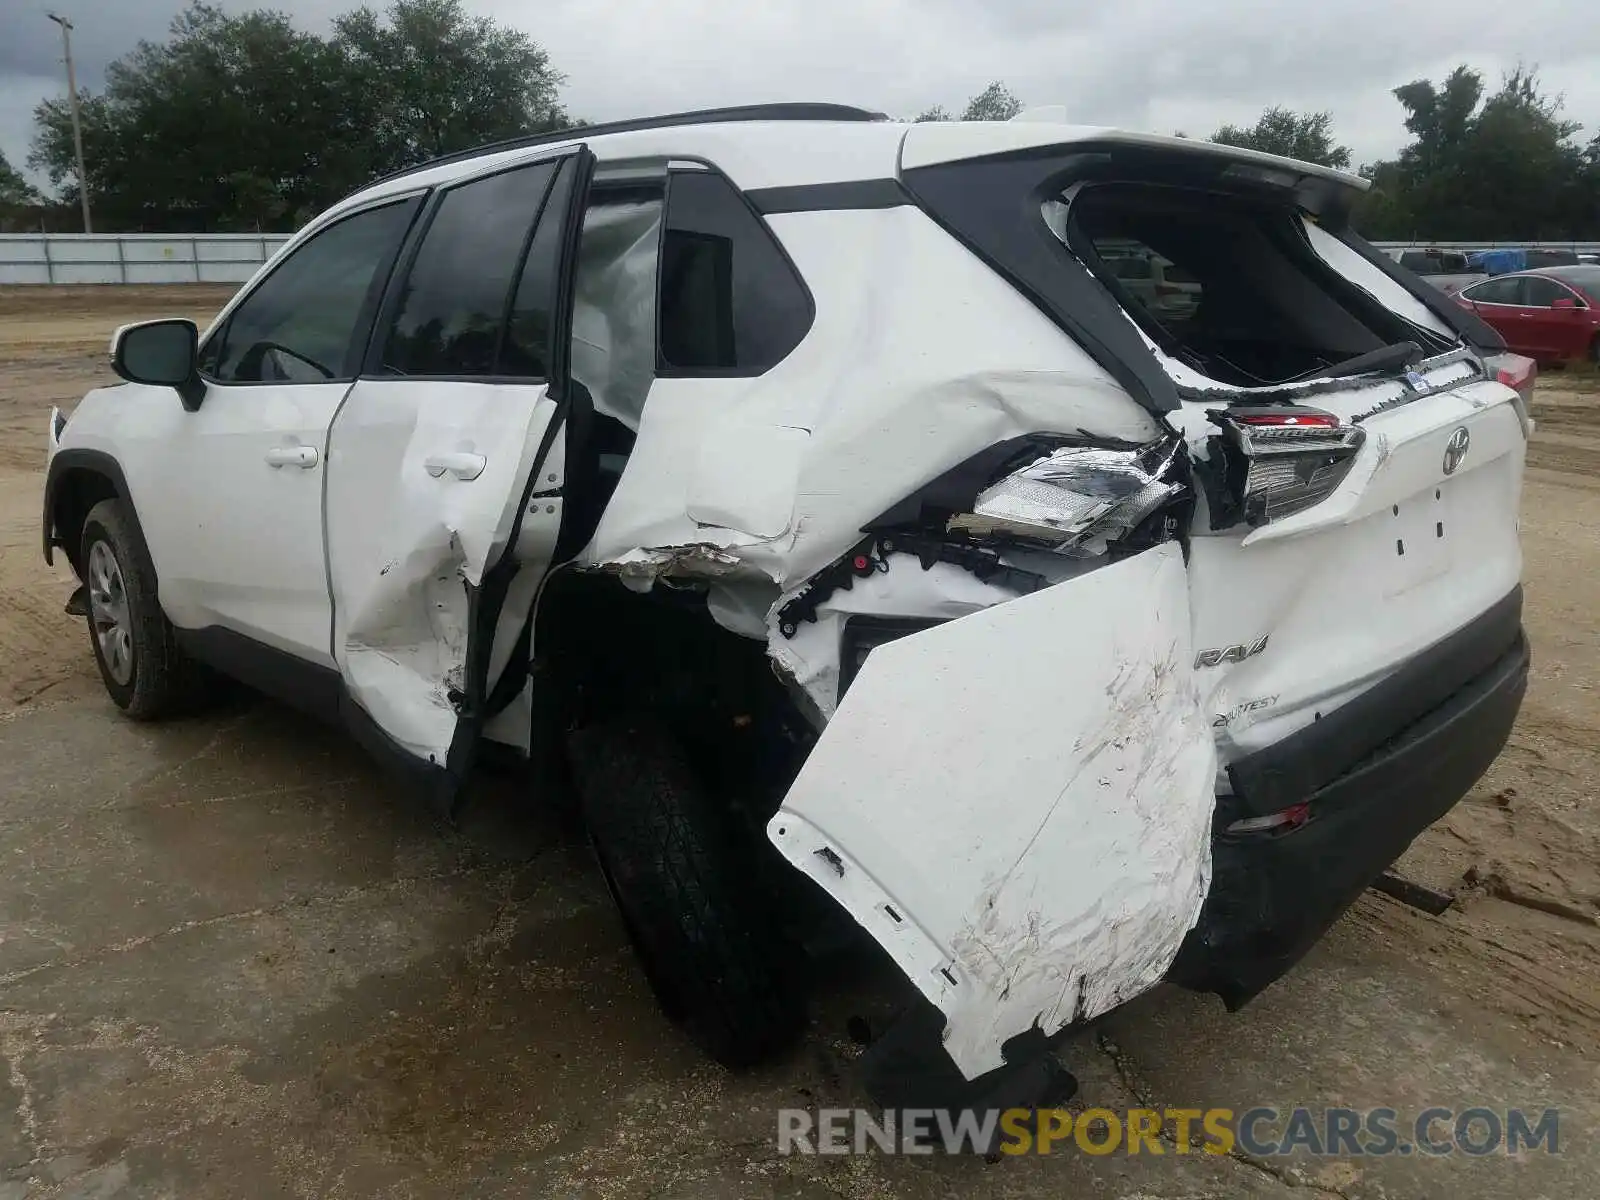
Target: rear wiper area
[[1386, 358]]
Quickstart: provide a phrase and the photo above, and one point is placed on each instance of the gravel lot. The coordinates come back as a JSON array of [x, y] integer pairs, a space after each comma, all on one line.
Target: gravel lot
[[233, 961]]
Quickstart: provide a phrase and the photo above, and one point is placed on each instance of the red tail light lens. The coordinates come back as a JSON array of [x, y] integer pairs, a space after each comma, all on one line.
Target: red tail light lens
[[1283, 460], [1516, 372]]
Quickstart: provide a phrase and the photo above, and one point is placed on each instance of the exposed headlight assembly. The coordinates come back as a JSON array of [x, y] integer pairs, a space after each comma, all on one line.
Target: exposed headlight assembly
[[1074, 500], [1047, 492]]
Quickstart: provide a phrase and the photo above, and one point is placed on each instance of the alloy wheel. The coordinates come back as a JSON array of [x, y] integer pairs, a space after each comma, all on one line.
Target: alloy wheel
[[108, 613]]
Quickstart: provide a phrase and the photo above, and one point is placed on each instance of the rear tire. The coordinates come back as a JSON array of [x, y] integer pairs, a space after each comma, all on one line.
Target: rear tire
[[690, 893], [1594, 350], [147, 676]]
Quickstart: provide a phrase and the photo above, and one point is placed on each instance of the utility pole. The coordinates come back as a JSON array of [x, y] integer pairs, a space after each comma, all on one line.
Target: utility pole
[[77, 122]]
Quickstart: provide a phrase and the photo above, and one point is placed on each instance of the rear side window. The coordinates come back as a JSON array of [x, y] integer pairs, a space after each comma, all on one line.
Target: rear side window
[[1543, 293], [453, 308], [1497, 291], [307, 321], [730, 302]]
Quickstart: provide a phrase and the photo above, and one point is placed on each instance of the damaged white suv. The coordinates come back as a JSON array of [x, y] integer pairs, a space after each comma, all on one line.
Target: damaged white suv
[[810, 488]]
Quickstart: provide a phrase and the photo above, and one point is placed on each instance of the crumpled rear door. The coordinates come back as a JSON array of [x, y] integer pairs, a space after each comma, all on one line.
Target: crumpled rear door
[[445, 494], [1017, 804]]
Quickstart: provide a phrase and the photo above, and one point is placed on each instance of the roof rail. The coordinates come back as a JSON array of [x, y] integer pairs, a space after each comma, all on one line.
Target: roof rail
[[701, 116]]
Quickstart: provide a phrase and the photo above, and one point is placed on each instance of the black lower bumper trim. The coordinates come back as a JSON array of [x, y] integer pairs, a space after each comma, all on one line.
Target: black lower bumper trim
[[1288, 772], [1272, 897]]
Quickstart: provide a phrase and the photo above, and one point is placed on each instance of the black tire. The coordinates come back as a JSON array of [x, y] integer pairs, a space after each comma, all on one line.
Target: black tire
[[160, 680], [689, 892], [1594, 350]]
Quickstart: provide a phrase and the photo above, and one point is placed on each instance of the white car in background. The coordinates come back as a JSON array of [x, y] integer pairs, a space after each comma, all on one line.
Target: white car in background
[[817, 492]]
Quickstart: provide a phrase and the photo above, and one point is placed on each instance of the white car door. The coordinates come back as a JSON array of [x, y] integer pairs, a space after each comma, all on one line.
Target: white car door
[[1017, 804], [439, 529], [235, 519]]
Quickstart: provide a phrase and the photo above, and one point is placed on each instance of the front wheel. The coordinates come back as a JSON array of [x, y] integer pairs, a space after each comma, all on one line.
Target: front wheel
[[145, 673], [690, 893]]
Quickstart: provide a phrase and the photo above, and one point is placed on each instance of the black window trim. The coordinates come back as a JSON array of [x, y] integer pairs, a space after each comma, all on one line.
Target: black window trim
[[366, 315], [664, 370], [372, 355]]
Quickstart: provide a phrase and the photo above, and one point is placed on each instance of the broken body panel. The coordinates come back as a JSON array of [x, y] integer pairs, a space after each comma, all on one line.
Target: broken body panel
[[1062, 832], [1020, 794]]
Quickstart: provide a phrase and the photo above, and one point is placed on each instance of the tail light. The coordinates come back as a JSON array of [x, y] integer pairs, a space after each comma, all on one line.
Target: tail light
[[1280, 461], [1516, 372]]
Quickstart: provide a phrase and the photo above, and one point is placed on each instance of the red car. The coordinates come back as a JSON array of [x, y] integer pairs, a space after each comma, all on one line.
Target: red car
[[1551, 314]]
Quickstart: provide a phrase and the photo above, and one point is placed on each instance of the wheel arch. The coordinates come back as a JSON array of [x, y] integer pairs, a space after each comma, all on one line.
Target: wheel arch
[[78, 480]]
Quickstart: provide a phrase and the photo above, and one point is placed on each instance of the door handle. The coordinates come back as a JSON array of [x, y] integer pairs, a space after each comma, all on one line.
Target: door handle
[[460, 464], [304, 457]]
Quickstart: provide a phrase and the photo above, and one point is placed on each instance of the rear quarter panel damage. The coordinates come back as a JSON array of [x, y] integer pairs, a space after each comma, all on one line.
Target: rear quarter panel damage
[[1017, 804]]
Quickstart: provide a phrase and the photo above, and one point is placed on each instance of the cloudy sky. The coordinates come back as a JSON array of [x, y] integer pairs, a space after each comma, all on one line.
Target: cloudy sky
[[1142, 64]]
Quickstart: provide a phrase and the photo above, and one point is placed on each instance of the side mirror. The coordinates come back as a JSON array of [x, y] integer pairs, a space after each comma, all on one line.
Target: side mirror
[[1563, 302], [162, 354]]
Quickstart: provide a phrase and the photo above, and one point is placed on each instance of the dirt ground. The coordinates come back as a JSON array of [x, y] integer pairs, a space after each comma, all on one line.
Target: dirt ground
[[234, 962]]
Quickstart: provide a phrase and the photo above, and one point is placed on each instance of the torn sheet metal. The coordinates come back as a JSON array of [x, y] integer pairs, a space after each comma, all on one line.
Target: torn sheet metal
[[886, 393], [1042, 843], [810, 655], [408, 545]]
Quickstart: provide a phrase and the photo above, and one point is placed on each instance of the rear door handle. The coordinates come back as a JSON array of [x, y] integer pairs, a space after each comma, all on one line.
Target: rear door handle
[[460, 464], [292, 456]]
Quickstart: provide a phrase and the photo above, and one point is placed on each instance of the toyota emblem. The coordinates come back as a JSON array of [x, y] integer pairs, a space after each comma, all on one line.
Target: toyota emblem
[[1455, 450]]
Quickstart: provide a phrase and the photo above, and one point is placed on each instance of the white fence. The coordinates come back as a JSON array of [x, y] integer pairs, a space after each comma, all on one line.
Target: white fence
[[234, 257], [134, 257]]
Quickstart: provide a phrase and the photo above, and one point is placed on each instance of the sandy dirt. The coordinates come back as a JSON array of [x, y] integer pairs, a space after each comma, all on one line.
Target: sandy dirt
[[1510, 976]]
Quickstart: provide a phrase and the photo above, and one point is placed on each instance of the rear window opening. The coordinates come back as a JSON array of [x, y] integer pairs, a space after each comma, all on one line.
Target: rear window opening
[[1229, 285]]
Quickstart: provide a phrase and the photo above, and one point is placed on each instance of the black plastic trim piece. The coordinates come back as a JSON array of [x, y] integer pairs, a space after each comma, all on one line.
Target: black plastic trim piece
[[99, 462], [432, 781], [319, 692], [1273, 896], [830, 197], [1288, 772], [312, 688], [703, 116]]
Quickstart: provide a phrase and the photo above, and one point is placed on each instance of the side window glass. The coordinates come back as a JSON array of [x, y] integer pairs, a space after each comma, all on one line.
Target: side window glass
[[307, 321], [452, 309], [730, 303], [1496, 291], [1542, 293]]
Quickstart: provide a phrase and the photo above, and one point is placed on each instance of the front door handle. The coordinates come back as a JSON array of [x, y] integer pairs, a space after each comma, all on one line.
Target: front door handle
[[460, 464], [304, 457]]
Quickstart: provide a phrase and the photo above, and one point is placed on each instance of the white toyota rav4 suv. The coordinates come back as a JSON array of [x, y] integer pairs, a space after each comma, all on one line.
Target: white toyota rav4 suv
[[808, 487]]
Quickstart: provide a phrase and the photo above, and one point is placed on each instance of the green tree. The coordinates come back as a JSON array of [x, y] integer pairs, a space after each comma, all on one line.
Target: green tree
[[994, 103], [1501, 167], [242, 121], [227, 124], [428, 79], [15, 191], [1305, 136]]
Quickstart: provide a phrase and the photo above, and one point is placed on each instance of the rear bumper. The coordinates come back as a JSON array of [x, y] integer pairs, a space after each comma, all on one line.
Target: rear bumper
[[1272, 897]]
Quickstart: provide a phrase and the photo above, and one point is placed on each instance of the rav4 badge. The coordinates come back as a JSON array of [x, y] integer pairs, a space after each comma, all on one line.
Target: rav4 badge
[[1229, 654]]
